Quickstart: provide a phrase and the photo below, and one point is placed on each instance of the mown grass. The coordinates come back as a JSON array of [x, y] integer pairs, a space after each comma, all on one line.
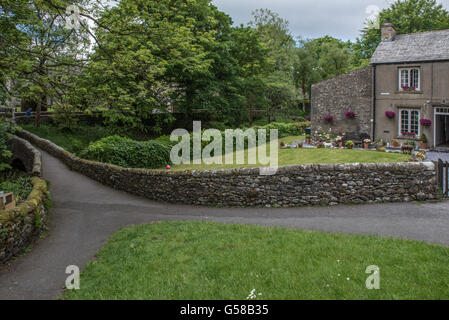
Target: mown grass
[[304, 156], [79, 139], [197, 260]]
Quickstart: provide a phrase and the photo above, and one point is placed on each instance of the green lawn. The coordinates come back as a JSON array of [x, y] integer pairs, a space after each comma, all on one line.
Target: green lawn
[[79, 139], [308, 156], [197, 260], [75, 141]]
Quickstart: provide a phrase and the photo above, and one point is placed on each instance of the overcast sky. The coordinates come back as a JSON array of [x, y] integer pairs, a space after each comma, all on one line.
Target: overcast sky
[[342, 19]]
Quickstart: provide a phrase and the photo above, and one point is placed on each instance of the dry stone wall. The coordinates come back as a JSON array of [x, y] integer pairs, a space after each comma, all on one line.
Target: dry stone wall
[[299, 185]]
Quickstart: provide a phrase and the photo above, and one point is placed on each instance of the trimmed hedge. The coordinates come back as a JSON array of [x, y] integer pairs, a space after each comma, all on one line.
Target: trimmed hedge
[[128, 153], [286, 129]]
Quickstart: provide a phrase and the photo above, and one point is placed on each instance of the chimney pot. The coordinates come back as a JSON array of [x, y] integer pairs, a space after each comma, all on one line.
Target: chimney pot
[[388, 31]]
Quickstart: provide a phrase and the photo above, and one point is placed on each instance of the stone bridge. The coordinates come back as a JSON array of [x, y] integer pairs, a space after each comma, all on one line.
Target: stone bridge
[[25, 157]]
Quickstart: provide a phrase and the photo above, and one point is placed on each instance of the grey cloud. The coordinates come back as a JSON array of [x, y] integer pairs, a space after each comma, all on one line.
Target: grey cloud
[[342, 19]]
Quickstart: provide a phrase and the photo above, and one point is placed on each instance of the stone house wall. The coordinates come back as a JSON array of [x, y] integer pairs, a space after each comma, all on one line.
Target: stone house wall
[[351, 91]]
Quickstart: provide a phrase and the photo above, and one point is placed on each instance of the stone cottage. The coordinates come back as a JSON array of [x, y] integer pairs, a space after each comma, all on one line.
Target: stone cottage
[[408, 78]]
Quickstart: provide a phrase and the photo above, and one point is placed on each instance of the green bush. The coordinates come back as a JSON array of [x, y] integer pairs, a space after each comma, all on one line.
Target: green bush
[[4, 152], [128, 153], [217, 125], [17, 182], [65, 117], [286, 129], [165, 140]]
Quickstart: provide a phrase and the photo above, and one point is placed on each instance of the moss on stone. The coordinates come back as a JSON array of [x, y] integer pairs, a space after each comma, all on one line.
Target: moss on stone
[[36, 197]]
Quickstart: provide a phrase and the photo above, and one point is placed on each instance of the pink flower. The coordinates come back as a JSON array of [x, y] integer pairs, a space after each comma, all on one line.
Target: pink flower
[[390, 114], [168, 167], [329, 118], [350, 114]]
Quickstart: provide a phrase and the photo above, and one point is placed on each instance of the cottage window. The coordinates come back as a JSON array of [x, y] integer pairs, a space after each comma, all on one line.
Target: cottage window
[[409, 79], [409, 122]]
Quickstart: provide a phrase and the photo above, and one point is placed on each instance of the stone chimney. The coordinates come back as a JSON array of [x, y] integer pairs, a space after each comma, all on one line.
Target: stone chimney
[[388, 31]]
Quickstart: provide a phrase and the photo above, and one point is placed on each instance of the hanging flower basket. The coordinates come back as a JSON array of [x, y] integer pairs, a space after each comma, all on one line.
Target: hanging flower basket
[[426, 122], [350, 114], [329, 118], [390, 114]]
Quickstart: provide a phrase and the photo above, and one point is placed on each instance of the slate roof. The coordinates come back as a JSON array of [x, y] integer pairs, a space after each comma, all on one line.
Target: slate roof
[[414, 47]]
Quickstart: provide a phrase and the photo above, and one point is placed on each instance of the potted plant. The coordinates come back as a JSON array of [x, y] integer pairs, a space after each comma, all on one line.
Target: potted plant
[[320, 145], [380, 143], [390, 114], [367, 142], [339, 141], [349, 144], [423, 141], [408, 147], [300, 144], [395, 143], [307, 138]]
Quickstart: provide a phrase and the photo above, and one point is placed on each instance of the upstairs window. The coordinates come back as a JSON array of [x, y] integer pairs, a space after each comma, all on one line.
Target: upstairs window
[[409, 79]]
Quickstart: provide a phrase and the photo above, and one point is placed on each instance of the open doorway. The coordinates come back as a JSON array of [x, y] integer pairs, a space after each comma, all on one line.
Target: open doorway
[[442, 130]]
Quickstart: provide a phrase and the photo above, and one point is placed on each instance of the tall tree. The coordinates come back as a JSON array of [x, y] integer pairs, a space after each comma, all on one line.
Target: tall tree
[[319, 59], [253, 68], [408, 16], [160, 52], [305, 71], [275, 34], [43, 56]]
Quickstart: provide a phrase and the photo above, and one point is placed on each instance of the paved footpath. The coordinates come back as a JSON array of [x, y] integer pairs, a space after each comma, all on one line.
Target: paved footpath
[[86, 214]]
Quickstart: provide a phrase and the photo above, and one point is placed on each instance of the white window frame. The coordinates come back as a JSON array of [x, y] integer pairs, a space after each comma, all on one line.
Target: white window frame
[[408, 81], [409, 121]]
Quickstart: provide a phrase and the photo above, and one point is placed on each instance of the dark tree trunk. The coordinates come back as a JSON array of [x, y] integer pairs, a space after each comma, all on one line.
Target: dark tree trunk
[[38, 111], [251, 110], [304, 106]]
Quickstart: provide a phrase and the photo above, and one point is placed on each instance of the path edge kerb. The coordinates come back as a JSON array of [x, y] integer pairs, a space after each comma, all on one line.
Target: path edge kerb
[[246, 187]]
